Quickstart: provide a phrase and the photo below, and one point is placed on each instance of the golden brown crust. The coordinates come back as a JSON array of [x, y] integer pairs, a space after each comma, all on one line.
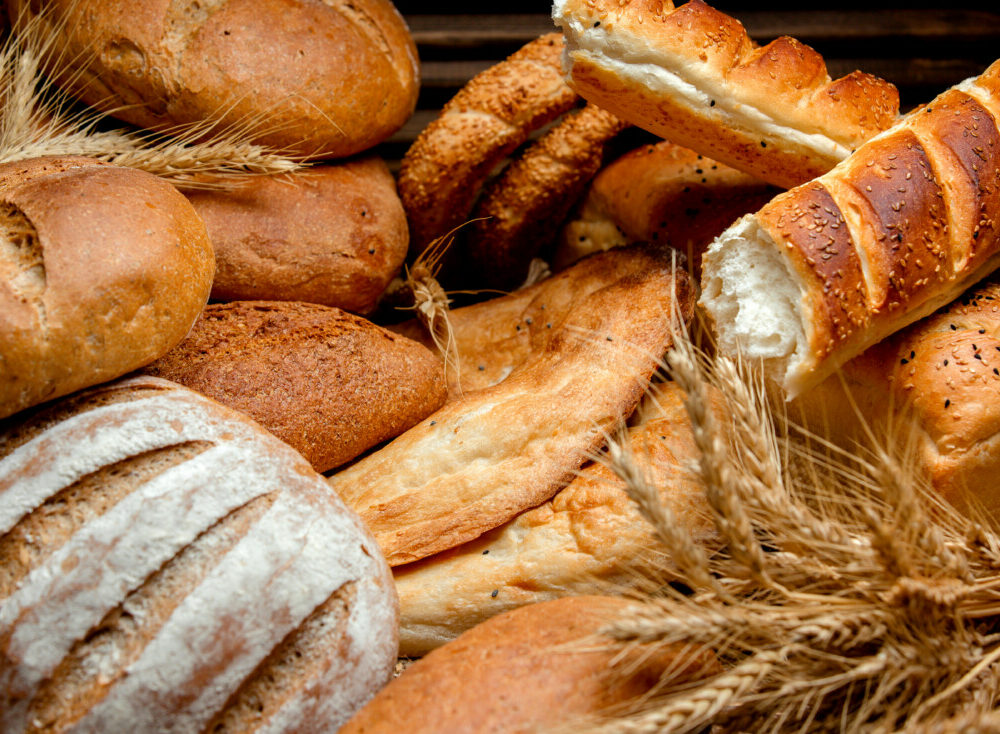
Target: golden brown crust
[[520, 672], [660, 193], [158, 63], [784, 85], [519, 212], [490, 116], [587, 539], [102, 270], [480, 460], [328, 383], [334, 235]]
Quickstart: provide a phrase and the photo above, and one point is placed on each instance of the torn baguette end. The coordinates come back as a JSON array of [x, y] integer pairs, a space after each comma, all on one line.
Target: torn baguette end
[[756, 302]]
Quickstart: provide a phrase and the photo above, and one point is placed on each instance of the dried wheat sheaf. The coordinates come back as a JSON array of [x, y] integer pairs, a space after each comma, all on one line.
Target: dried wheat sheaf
[[847, 598], [38, 119]]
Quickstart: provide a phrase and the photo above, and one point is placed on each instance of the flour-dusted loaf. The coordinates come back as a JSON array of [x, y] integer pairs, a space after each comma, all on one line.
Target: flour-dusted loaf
[[329, 383], [313, 77], [532, 669], [332, 234], [483, 458], [897, 230], [167, 566], [102, 270], [692, 75], [588, 539]]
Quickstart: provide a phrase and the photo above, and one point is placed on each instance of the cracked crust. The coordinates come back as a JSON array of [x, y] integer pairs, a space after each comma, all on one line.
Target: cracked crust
[[771, 111], [497, 110], [271, 67], [116, 269]]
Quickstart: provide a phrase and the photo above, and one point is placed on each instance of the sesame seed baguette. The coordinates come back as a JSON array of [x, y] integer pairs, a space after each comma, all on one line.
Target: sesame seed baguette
[[693, 76], [897, 230]]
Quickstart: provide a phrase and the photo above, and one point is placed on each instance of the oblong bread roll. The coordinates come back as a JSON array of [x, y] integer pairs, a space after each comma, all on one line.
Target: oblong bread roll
[[659, 193], [485, 457], [169, 566], [897, 230], [692, 75], [588, 539]]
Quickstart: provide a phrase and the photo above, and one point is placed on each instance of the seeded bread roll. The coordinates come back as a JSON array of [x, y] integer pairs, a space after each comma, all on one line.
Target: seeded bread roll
[[102, 270], [659, 193], [168, 566], [313, 77], [334, 235], [443, 170], [588, 539], [326, 382], [480, 460], [897, 230], [529, 670], [692, 75]]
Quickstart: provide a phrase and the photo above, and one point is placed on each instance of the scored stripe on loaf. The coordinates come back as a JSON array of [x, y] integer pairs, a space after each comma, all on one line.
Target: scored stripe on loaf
[[158, 602], [894, 232]]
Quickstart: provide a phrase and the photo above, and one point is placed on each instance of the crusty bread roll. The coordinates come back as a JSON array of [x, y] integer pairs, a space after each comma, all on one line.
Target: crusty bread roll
[[326, 382], [334, 235], [894, 232], [168, 566], [588, 539], [940, 378], [495, 336], [102, 270], [659, 193], [443, 170], [305, 76], [529, 670], [693, 76], [482, 459], [520, 211]]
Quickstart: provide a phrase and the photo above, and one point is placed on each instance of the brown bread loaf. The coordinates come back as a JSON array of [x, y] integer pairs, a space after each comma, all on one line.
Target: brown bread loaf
[[325, 79], [483, 458], [334, 235], [692, 75], [326, 382], [168, 566], [528, 670], [896, 231], [102, 270]]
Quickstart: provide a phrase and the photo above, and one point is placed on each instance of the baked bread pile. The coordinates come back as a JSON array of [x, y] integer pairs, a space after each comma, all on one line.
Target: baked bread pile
[[170, 559]]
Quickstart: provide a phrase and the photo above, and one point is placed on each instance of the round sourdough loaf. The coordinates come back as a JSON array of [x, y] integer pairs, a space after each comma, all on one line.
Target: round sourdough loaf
[[334, 235], [168, 566], [324, 78], [102, 270], [328, 383]]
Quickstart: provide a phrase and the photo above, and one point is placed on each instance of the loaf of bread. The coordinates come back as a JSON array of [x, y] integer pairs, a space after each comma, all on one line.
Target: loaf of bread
[[442, 172], [304, 76], [588, 539], [483, 458], [168, 566], [327, 382], [102, 270], [900, 228], [692, 75], [659, 193], [493, 337], [520, 211], [529, 670], [334, 235]]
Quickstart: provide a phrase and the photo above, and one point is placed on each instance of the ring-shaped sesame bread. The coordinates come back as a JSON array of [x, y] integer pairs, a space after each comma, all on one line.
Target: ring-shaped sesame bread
[[692, 75]]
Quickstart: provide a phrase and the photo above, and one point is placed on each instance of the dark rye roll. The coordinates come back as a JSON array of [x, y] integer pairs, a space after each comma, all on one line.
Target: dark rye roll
[[897, 230], [167, 566]]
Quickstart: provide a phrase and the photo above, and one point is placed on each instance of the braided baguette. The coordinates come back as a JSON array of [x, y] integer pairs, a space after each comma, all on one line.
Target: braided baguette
[[894, 232], [693, 75]]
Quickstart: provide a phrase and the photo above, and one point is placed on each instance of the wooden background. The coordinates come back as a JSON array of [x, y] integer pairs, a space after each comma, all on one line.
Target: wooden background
[[920, 51]]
